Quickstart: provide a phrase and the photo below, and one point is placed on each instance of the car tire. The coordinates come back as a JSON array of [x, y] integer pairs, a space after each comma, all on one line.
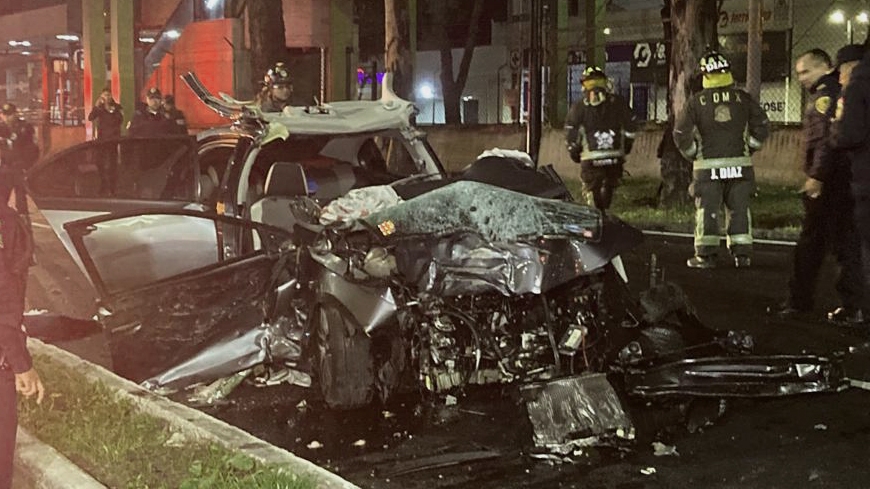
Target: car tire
[[344, 360]]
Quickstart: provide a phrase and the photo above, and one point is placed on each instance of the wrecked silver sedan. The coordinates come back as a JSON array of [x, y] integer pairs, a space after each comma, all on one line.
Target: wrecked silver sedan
[[354, 262]]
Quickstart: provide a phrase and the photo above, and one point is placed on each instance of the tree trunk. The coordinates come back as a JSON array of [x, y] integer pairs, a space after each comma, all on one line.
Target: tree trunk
[[397, 46], [452, 87], [266, 28], [692, 29]]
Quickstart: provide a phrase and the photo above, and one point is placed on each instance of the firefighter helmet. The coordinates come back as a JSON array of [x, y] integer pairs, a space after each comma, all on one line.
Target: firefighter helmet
[[592, 72], [278, 75], [714, 62]]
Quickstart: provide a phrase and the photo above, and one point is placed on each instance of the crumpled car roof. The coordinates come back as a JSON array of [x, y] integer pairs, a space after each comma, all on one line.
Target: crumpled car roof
[[344, 117]]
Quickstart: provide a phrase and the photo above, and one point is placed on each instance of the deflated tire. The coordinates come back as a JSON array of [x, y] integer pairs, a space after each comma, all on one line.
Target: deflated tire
[[345, 365]]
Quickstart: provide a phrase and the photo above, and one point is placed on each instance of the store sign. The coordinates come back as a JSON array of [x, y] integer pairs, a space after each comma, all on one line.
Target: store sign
[[649, 62], [734, 15]]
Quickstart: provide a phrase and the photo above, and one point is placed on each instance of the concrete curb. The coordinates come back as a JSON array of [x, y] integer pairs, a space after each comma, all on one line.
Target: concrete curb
[[190, 423], [45, 468]]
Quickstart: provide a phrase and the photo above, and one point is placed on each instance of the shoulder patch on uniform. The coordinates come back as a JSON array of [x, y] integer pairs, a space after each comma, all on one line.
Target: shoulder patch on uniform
[[823, 104]]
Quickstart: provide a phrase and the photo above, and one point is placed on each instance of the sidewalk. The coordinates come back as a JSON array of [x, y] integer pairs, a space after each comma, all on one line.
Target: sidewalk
[[45, 468]]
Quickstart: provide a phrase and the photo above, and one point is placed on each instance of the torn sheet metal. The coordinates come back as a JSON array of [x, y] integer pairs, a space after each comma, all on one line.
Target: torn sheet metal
[[748, 376], [277, 341], [575, 412], [470, 265]]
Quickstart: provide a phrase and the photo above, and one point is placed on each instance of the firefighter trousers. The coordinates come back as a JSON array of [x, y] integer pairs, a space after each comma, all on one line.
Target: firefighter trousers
[[599, 183], [709, 196]]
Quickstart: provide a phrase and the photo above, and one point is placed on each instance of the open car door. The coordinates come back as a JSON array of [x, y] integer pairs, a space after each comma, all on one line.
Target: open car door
[[100, 177], [169, 284]]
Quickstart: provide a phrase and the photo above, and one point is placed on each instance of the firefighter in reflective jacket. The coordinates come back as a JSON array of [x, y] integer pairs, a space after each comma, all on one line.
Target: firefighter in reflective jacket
[[720, 127], [599, 132]]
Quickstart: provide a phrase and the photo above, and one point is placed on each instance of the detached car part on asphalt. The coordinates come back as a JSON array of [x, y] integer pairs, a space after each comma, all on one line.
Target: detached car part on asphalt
[[415, 281]]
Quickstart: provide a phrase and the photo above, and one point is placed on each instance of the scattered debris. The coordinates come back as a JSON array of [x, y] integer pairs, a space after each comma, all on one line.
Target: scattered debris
[[302, 405], [285, 375], [662, 450], [814, 475], [176, 440], [439, 461], [388, 414], [450, 400], [575, 412], [821, 427], [211, 394], [314, 445], [648, 471], [359, 443], [471, 411]]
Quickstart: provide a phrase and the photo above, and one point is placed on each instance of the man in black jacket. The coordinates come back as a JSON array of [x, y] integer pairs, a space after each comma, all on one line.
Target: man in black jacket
[[827, 203], [18, 152], [599, 132], [175, 115], [850, 133], [107, 116], [16, 367], [718, 130], [151, 120]]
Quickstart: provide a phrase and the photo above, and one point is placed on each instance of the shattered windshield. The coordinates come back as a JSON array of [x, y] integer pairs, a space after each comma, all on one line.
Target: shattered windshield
[[496, 214]]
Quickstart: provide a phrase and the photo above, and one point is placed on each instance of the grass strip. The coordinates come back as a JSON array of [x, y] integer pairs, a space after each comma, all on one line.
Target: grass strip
[[123, 448], [776, 210]]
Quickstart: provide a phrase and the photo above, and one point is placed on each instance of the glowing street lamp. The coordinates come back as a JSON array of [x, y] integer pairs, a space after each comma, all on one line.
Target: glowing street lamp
[[839, 16], [427, 92]]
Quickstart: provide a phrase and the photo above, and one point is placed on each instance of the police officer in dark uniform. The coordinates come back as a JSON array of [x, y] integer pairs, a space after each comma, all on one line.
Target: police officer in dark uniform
[[599, 132], [277, 89], [828, 205], [718, 130], [850, 133], [18, 152], [16, 367], [151, 120], [176, 116]]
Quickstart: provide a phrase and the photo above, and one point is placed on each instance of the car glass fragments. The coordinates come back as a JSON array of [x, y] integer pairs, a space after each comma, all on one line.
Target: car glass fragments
[[496, 214]]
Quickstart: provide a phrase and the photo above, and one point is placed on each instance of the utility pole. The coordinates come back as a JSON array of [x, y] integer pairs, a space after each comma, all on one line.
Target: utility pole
[[533, 137], [753, 50], [595, 45]]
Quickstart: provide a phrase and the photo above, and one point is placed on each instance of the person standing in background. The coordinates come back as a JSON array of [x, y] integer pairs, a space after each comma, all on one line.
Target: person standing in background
[[17, 374], [599, 133], [107, 116], [277, 89], [850, 133], [719, 129], [828, 205], [151, 120], [18, 153], [176, 116]]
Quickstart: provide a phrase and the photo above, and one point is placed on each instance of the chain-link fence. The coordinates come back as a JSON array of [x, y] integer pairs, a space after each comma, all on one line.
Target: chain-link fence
[[638, 67]]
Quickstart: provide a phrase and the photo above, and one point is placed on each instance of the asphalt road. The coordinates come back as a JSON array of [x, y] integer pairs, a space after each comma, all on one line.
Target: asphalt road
[[805, 441]]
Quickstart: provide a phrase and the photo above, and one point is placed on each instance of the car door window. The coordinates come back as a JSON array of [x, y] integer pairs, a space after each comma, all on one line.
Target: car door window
[[387, 155], [135, 251], [127, 169]]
